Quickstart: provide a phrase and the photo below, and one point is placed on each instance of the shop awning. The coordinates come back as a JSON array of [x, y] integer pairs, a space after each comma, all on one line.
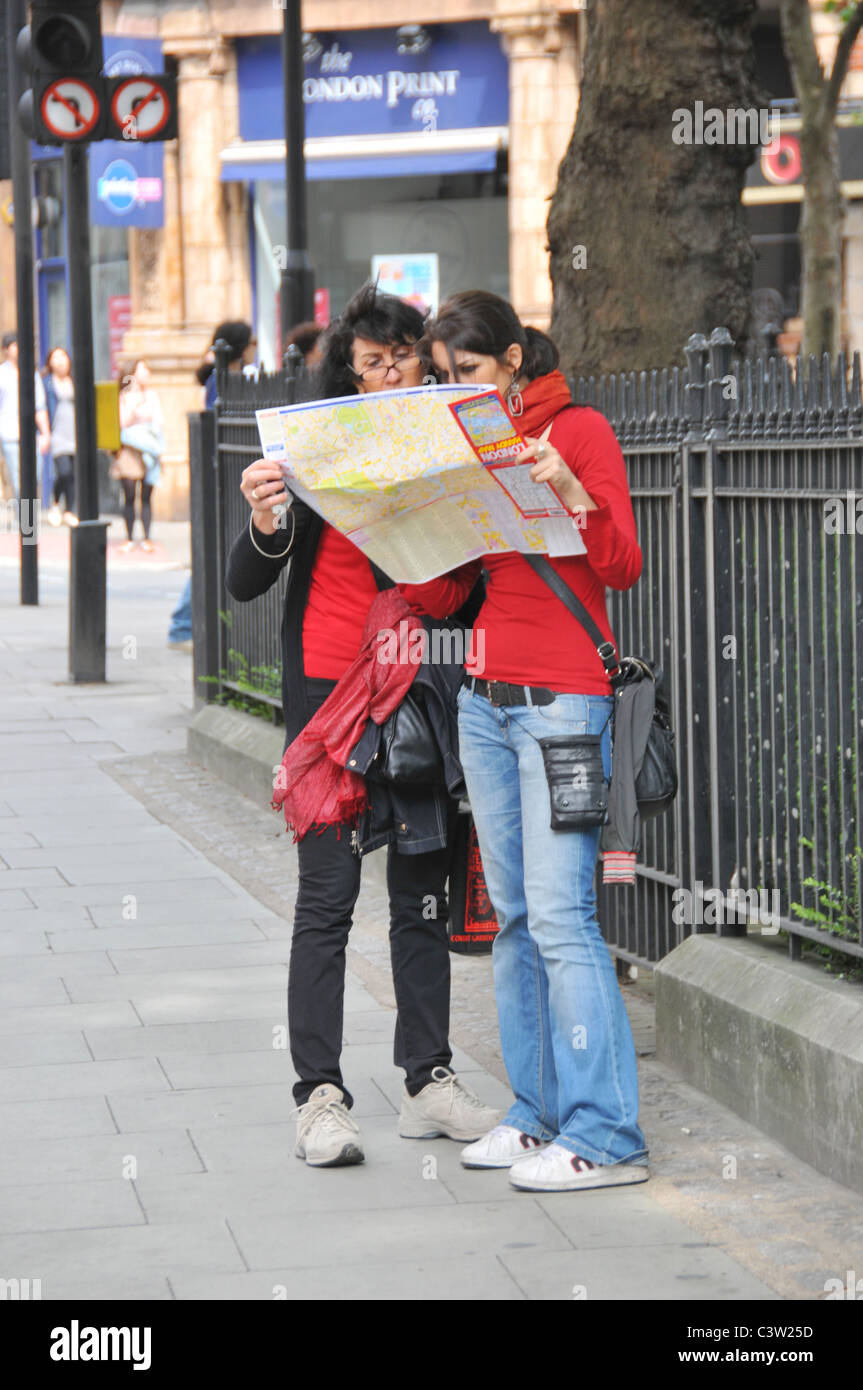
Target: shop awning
[[370, 156]]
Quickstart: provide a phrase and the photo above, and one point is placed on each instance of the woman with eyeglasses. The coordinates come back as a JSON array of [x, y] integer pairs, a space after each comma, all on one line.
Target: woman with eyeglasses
[[371, 347]]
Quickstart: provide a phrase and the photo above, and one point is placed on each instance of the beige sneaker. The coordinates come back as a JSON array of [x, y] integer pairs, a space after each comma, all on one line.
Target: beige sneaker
[[327, 1137], [445, 1107]]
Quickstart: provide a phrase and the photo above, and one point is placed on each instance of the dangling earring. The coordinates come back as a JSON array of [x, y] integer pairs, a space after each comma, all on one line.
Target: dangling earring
[[514, 397]]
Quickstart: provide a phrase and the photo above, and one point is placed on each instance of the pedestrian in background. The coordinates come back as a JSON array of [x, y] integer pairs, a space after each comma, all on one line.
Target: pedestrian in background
[[137, 464], [238, 335], [58, 481], [241, 353], [307, 337], [10, 433]]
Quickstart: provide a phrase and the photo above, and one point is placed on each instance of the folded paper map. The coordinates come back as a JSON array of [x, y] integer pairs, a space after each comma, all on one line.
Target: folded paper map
[[421, 480]]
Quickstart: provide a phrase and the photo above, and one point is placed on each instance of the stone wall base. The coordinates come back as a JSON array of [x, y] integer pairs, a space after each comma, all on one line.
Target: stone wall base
[[777, 1041]]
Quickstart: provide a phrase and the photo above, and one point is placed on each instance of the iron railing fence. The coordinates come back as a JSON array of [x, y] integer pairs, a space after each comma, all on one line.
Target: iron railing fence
[[249, 644], [747, 484]]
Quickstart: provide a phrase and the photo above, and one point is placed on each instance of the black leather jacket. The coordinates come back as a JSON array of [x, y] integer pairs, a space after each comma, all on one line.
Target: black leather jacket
[[415, 820]]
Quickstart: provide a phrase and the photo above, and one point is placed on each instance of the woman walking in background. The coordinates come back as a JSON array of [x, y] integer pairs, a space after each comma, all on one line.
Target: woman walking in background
[[565, 1034], [60, 397], [137, 464]]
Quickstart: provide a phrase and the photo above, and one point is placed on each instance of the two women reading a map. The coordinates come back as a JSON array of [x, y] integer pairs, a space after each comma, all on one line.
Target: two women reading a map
[[565, 1034]]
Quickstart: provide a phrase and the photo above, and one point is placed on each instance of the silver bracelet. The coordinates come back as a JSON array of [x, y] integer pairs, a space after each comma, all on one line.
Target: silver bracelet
[[266, 553]]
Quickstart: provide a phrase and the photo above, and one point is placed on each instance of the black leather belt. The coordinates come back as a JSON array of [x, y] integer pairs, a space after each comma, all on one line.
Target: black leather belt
[[502, 693]]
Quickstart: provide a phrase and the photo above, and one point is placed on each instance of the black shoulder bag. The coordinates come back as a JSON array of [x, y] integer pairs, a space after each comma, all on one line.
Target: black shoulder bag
[[656, 780]]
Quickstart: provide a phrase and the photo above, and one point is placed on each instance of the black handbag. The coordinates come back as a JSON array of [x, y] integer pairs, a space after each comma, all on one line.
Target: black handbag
[[408, 752], [656, 782]]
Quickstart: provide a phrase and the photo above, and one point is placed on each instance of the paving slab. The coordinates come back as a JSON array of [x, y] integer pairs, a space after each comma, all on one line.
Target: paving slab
[[98, 1259], [164, 1040], [135, 936], [678, 1273], [326, 1239], [80, 1079], [34, 1048], [68, 1206], [473, 1279], [23, 1020], [35, 1120], [98, 1157]]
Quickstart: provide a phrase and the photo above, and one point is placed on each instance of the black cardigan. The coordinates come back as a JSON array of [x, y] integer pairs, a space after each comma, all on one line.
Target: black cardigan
[[248, 574]]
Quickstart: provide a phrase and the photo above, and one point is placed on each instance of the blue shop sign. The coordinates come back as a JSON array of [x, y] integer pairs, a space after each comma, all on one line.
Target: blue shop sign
[[126, 178], [359, 84]]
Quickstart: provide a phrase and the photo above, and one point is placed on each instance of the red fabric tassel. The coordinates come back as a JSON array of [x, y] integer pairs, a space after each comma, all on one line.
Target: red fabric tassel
[[313, 786]]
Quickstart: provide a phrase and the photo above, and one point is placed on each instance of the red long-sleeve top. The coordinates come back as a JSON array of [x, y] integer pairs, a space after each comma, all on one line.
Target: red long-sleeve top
[[341, 591], [523, 633]]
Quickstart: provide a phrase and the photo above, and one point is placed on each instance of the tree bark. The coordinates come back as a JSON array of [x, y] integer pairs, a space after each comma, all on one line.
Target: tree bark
[[666, 249], [823, 208]]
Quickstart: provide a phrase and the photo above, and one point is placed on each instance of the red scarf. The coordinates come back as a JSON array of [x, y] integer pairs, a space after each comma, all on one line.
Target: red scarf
[[544, 397], [313, 784]]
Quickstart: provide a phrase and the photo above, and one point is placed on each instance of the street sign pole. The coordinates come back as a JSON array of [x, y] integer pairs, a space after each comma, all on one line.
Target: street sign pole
[[297, 287], [88, 540], [15, 19]]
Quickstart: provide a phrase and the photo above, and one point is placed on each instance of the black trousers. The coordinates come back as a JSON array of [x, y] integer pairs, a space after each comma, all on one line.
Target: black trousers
[[64, 481], [130, 486], [329, 884]]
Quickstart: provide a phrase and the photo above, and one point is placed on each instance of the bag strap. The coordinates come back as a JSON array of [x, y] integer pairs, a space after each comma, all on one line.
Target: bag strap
[[605, 650]]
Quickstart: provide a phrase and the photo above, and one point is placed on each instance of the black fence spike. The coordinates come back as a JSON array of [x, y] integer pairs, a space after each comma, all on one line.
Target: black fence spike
[[840, 417], [855, 420]]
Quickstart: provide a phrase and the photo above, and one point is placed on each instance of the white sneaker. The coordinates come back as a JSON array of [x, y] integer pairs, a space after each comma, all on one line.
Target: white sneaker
[[445, 1107], [500, 1148], [557, 1169], [54, 517], [327, 1137]]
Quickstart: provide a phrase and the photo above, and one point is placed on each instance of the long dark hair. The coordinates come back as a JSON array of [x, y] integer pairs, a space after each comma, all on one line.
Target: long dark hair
[[383, 318], [476, 321]]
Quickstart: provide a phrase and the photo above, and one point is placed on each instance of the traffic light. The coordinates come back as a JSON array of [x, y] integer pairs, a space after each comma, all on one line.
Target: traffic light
[[63, 49]]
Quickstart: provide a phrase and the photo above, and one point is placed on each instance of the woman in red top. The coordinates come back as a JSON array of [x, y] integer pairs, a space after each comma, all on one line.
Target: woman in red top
[[372, 346], [565, 1034]]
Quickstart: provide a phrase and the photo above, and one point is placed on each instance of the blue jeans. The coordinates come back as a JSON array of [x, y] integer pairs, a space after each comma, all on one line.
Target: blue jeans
[[181, 618], [565, 1034]]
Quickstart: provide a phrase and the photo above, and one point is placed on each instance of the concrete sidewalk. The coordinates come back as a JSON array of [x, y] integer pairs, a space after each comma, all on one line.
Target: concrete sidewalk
[[145, 1097]]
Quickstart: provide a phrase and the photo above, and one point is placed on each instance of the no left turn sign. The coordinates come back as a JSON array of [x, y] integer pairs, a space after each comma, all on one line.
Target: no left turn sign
[[70, 108]]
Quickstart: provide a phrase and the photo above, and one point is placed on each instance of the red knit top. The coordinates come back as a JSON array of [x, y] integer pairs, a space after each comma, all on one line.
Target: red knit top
[[341, 591], [529, 637]]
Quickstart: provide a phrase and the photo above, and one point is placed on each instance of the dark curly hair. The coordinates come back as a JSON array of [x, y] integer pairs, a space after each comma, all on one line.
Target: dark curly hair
[[383, 318], [476, 321]]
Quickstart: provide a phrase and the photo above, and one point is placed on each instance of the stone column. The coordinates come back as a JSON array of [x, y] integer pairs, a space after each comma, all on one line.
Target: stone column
[[543, 92]]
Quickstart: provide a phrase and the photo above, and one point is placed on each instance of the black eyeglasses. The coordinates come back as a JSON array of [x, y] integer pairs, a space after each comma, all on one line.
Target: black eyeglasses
[[404, 361]]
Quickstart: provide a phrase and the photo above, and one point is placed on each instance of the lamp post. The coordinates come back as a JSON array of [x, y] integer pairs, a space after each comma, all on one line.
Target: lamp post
[[297, 285]]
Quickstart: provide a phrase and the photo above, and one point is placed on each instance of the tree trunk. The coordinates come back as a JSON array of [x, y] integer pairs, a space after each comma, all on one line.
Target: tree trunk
[[823, 210], [821, 236], [647, 236]]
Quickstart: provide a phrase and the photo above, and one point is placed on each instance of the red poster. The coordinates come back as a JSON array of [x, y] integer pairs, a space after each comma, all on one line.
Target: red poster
[[119, 318], [322, 307]]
